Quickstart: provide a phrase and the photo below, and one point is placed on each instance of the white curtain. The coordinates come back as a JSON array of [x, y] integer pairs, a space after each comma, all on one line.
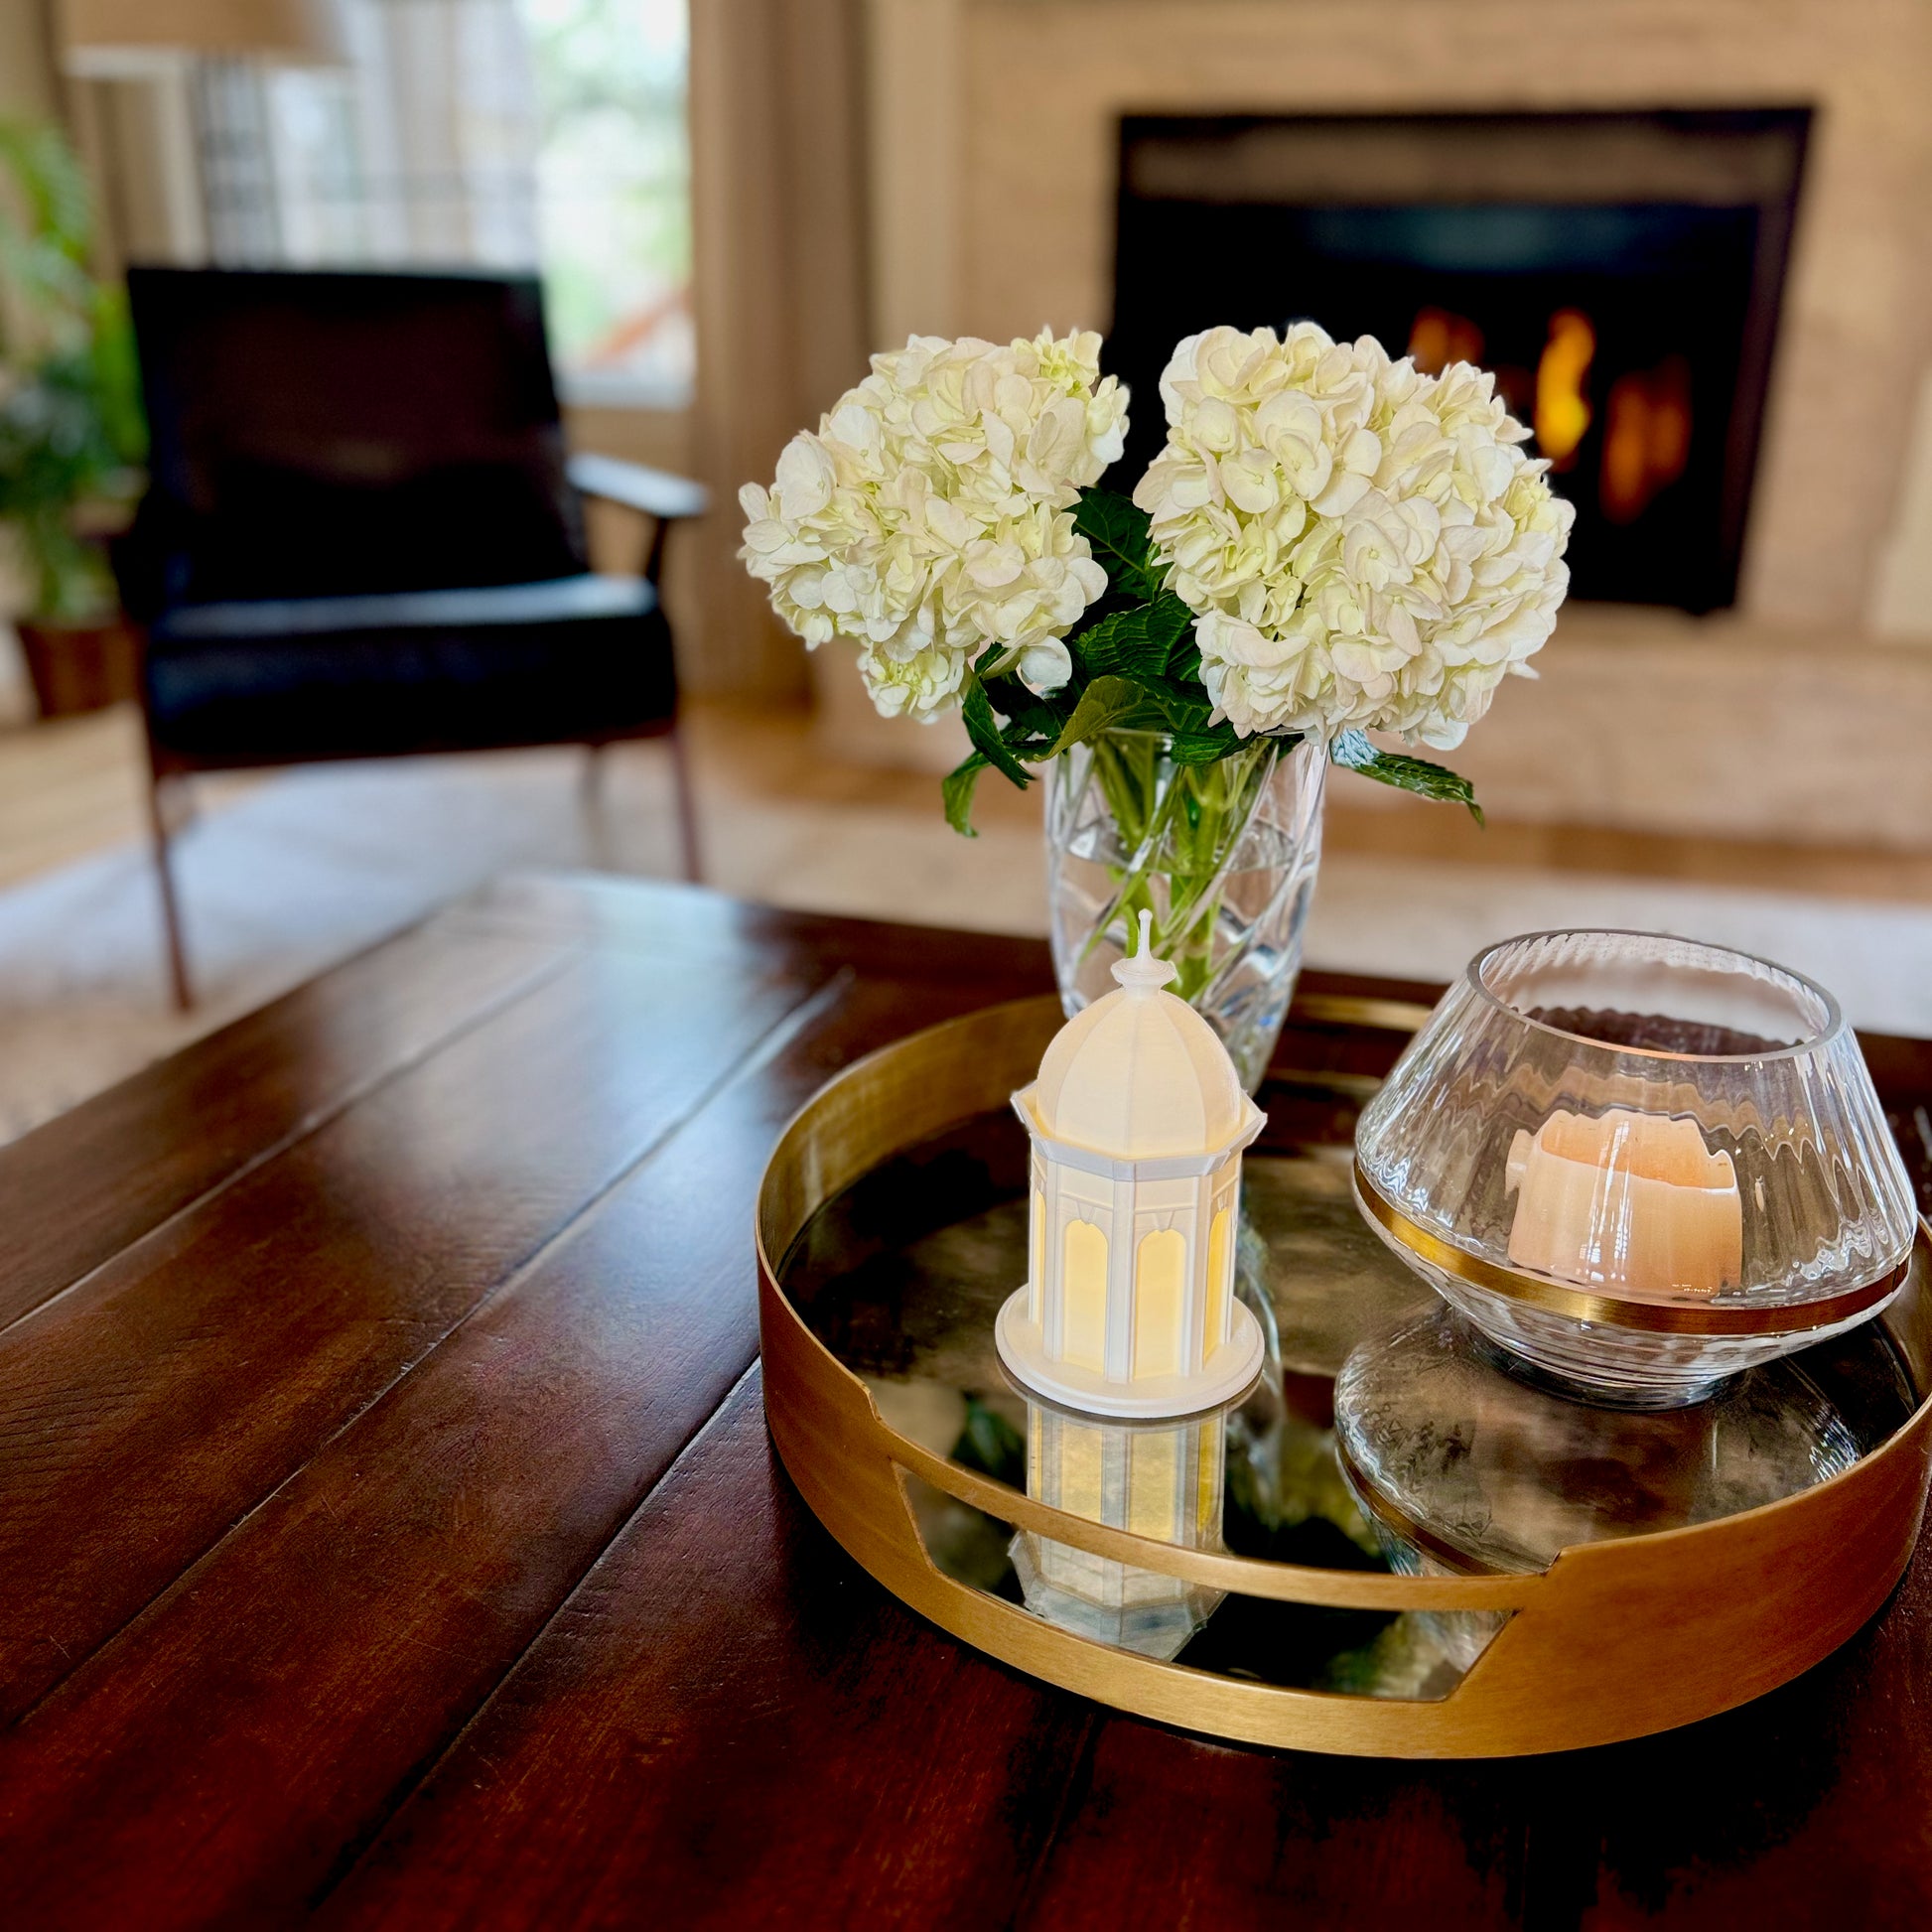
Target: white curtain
[[778, 200], [424, 151]]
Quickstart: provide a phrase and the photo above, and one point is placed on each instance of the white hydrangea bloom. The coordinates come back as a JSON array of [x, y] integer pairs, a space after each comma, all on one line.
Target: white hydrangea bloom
[[932, 513], [1364, 546]]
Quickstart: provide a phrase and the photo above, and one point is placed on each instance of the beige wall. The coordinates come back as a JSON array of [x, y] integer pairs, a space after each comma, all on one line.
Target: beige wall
[[1042, 82], [661, 438], [26, 76], [992, 211]]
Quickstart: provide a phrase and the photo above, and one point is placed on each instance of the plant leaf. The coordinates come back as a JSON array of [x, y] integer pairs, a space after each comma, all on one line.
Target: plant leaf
[[1136, 642], [1117, 533], [984, 731], [1170, 625], [996, 660], [1353, 750], [1184, 707], [956, 790], [1028, 715], [1204, 746], [1105, 702]]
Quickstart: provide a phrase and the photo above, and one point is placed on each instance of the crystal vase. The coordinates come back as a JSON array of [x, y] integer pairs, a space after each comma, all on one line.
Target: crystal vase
[[1223, 856]]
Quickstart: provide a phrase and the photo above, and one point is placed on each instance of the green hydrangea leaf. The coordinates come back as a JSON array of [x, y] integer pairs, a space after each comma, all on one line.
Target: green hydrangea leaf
[[1027, 714], [956, 790], [1107, 703], [984, 730], [1170, 626], [1204, 746], [1184, 707], [1117, 533], [1352, 749], [1136, 643]]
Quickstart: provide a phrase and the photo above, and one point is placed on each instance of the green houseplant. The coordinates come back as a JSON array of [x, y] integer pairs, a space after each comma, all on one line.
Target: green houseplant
[[71, 436]]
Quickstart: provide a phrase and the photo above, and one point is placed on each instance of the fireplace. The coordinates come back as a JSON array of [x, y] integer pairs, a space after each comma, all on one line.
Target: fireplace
[[1620, 272]]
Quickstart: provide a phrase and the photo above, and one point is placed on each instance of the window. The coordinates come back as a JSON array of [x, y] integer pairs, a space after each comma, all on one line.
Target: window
[[547, 134], [613, 194]]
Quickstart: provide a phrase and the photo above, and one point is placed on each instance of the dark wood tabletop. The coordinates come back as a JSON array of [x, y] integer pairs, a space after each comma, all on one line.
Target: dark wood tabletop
[[389, 1534]]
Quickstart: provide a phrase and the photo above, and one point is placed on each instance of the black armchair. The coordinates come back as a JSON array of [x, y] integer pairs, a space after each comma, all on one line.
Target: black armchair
[[363, 537]]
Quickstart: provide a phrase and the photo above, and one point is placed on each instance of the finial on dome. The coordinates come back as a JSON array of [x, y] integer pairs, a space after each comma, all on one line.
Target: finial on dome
[[1143, 973]]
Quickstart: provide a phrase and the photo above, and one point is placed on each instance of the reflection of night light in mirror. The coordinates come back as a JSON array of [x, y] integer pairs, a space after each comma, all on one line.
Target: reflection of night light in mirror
[[1159, 1480]]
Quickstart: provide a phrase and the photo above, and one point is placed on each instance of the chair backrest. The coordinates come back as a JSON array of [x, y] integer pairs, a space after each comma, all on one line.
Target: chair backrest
[[320, 433]]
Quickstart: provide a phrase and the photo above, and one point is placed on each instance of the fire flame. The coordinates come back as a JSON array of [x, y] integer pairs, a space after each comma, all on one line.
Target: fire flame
[[1563, 411], [1440, 337], [1648, 439]]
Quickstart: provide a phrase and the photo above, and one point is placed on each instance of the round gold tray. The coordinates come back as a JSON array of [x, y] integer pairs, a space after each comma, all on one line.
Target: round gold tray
[[1614, 1639]]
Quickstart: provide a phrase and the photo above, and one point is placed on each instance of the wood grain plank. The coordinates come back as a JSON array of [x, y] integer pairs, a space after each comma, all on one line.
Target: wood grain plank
[[657, 912], [697, 922], [1164, 1830], [732, 1722], [729, 1725], [1811, 1807], [79, 1189], [213, 1762], [165, 1397]]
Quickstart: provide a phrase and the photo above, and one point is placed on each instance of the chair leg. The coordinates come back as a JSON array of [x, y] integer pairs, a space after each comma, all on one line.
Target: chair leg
[[687, 810], [178, 984], [597, 821]]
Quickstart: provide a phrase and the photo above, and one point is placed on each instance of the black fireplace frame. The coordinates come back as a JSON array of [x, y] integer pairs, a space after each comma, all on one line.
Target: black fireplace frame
[[1194, 145]]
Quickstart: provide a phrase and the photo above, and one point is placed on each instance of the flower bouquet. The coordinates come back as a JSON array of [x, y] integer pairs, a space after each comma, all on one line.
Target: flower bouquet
[[1331, 544]]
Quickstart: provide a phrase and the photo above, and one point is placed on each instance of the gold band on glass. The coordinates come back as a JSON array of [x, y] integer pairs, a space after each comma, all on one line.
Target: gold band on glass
[[1617, 1310]]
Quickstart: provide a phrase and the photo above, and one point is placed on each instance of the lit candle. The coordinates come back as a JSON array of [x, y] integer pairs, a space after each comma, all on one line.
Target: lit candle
[[1626, 1200]]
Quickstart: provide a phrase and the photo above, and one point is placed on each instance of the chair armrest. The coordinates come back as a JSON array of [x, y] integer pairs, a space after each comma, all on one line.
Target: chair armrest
[[654, 492]]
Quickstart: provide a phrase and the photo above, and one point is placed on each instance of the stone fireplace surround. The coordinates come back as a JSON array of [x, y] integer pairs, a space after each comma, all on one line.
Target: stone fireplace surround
[[1804, 714]]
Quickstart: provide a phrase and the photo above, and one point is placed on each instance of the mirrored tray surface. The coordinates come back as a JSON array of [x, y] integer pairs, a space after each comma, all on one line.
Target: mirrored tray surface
[[1457, 1468]]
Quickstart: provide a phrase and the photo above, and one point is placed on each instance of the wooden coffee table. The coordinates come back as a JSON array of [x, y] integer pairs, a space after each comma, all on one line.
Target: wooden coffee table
[[389, 1533]]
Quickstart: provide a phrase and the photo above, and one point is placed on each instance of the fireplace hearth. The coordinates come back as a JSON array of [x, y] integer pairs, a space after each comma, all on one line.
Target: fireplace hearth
[[1620, 272]]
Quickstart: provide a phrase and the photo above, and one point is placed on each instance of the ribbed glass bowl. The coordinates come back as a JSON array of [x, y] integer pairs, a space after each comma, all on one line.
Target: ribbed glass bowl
[[1639, 1163]]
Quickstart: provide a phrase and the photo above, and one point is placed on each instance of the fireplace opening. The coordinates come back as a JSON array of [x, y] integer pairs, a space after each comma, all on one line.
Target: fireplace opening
[[1620, 272]]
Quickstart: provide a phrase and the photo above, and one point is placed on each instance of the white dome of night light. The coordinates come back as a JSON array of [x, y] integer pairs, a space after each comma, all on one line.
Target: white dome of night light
[[1139, 1071]]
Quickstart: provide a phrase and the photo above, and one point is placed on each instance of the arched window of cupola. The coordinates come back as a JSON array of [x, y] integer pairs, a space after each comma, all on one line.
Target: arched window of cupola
[[1083, 1296], [1160, 1295]]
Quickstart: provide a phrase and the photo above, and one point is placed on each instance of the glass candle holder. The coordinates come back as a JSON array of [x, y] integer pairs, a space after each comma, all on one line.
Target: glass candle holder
[[1639, 1163]]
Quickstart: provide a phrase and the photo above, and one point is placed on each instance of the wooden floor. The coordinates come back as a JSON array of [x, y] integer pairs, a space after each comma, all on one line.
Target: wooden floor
[[76, 786]]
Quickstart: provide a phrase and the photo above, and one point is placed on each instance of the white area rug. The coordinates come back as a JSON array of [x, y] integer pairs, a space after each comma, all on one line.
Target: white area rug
[[315, 864]]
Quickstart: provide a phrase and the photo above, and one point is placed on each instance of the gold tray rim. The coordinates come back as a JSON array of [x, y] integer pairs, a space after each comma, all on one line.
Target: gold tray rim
[[851, 1466]]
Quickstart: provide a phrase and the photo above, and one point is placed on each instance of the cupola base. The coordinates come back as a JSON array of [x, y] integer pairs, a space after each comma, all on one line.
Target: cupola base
[[1225, 1374]]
